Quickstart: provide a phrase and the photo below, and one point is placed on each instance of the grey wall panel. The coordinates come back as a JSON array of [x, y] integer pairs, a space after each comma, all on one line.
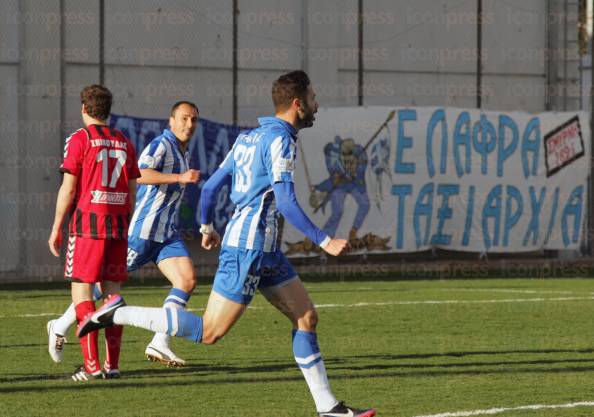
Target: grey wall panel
[[150, 92], [422, 35], [10, 196], [412, 89], [81, 20], [166, 33], [514, 36], [9, 30], [514, 93], [255, 100], [76, 78], [269, 34], [39, 136]]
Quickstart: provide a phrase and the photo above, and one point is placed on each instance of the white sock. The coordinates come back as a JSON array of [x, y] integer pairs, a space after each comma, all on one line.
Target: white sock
[[149, 318], [317, 380], [309, 359], [63, 323], [176, 299], [161, 340]]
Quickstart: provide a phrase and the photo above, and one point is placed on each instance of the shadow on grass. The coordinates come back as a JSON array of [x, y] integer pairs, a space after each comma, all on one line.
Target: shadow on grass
[[348, 367]]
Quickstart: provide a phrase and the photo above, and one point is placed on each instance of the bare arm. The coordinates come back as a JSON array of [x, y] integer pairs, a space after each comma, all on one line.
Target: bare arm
[[153, 177], [63, 203]]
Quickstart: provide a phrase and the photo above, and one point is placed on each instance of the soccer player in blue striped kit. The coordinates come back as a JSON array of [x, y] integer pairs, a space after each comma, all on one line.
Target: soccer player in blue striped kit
[[262, 165], [153, 235]]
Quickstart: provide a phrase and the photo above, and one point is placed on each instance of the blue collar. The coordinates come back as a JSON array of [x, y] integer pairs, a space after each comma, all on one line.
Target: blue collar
[[271, 120]]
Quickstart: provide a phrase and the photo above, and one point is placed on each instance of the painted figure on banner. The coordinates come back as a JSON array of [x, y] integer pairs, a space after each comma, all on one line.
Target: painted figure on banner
[[346, 163]]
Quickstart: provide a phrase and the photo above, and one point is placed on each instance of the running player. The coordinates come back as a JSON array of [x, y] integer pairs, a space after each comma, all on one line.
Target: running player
[[153, 235], [98, 188], [262, 165]]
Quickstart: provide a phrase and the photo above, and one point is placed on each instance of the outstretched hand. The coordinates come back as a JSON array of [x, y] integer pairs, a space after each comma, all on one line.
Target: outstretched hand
[[337, 247]]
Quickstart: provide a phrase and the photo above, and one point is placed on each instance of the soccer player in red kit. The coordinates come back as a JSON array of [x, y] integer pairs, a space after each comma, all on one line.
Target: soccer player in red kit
[[98, 191]]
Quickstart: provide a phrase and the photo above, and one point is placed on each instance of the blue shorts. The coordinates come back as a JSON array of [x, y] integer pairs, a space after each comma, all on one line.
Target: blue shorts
[[242, 271], [142, 251]]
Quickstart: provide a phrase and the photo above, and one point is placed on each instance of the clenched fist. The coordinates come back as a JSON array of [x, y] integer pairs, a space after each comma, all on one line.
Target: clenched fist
[[191, 176]]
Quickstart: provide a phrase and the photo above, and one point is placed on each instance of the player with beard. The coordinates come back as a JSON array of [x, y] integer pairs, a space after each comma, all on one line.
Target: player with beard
[[262, 166]]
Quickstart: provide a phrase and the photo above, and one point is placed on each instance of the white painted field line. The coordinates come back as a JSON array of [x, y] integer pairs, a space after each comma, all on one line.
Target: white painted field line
[[492, 411], [385, 303], [21, 316], [504, 290], [508, 300]]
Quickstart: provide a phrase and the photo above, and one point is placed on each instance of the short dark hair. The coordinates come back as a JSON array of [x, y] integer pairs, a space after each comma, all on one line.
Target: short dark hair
[[289, 86], [97, 100], [179, 103]]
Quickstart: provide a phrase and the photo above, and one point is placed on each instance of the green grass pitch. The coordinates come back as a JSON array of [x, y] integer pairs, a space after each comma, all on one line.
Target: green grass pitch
[[407, 348]]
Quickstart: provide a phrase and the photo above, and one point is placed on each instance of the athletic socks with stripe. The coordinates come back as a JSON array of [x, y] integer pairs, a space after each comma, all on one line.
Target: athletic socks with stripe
[[172, 321], [176, 299], [309, 359]]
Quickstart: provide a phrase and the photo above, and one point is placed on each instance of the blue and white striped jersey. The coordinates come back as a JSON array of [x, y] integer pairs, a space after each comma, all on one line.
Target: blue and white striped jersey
[[259, 158], [157, 206]]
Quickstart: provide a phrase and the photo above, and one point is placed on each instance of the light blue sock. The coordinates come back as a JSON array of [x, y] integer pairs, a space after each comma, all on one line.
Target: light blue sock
[[172, 321], [308, 357], [181, 323], [176, 299]]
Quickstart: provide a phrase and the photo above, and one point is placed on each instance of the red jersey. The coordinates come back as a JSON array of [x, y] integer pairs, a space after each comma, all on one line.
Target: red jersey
[[104, 161]]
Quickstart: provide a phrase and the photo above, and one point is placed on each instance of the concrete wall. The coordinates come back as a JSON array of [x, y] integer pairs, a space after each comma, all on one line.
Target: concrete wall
[[31, 134], [9, 117], [417, 52]]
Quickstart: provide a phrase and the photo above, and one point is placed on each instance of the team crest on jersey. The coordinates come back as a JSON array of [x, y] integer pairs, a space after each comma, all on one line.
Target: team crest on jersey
[[106, 197]]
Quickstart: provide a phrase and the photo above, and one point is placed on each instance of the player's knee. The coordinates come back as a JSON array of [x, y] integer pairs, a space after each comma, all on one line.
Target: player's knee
[[188, 282], [309, 321]]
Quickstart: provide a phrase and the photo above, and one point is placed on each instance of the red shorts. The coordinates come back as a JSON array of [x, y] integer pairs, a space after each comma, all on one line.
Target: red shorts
[[96, 260]]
